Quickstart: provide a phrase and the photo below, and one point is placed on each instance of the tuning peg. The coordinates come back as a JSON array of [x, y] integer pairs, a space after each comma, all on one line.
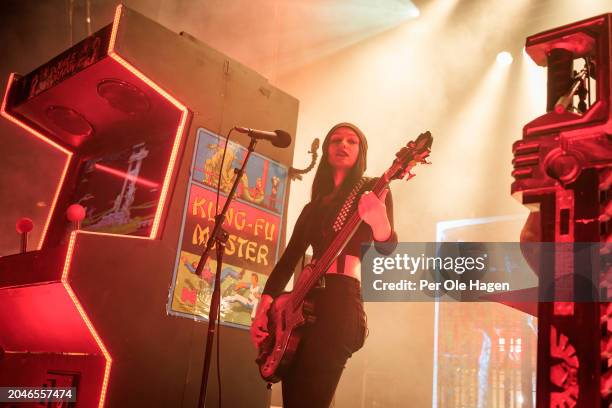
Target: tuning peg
[[424, 161], [409, 176]]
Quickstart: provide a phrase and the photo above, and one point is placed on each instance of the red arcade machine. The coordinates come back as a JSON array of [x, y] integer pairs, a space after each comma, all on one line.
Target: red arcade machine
[[90, 308], [563, 173]]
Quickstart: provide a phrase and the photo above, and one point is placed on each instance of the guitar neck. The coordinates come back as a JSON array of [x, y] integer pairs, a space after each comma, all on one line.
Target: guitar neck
[[335, 248], [406, 158]]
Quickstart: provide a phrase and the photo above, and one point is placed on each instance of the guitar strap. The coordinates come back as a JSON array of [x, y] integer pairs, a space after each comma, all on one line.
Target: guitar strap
[[347, 208]]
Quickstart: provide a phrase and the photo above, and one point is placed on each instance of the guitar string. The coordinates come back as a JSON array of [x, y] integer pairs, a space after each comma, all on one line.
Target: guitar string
[[334, 249], [298, 295]]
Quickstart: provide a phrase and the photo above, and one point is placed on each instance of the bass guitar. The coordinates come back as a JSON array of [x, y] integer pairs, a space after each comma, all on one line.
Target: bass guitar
[[291, 311]]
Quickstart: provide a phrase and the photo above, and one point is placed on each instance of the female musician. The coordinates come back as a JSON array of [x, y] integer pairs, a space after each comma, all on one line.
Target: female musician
[[340, 326]]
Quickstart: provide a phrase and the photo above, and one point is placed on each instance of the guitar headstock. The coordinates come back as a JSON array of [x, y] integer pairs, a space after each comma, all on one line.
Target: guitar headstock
[[415, 152]]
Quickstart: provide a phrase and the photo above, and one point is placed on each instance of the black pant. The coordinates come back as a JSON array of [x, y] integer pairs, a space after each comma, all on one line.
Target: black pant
[[339, 331]]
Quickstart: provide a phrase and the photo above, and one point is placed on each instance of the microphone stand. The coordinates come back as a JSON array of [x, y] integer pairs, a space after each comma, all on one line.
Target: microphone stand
[[218, 237]]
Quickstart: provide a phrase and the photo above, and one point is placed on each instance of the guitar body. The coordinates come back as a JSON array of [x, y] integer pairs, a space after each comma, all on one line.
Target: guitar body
[[286, 322]]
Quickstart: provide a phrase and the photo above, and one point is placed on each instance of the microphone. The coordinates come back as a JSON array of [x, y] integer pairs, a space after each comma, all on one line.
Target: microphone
[[278, 138]]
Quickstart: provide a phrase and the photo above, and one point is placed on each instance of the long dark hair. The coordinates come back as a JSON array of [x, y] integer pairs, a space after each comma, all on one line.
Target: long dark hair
[[323, 183]]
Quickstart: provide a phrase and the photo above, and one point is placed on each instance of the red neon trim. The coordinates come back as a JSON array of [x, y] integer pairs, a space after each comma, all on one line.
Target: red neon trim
[[22, 124], [113, 37], [60, 186], [179, 131], [44, 352], [108, 234], [169, 171], [85, 318], [45, 139], [177, 139], [124, 175]]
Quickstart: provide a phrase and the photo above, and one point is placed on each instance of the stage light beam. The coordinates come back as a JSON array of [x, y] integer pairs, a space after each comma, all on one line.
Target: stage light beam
[[504, 58]]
